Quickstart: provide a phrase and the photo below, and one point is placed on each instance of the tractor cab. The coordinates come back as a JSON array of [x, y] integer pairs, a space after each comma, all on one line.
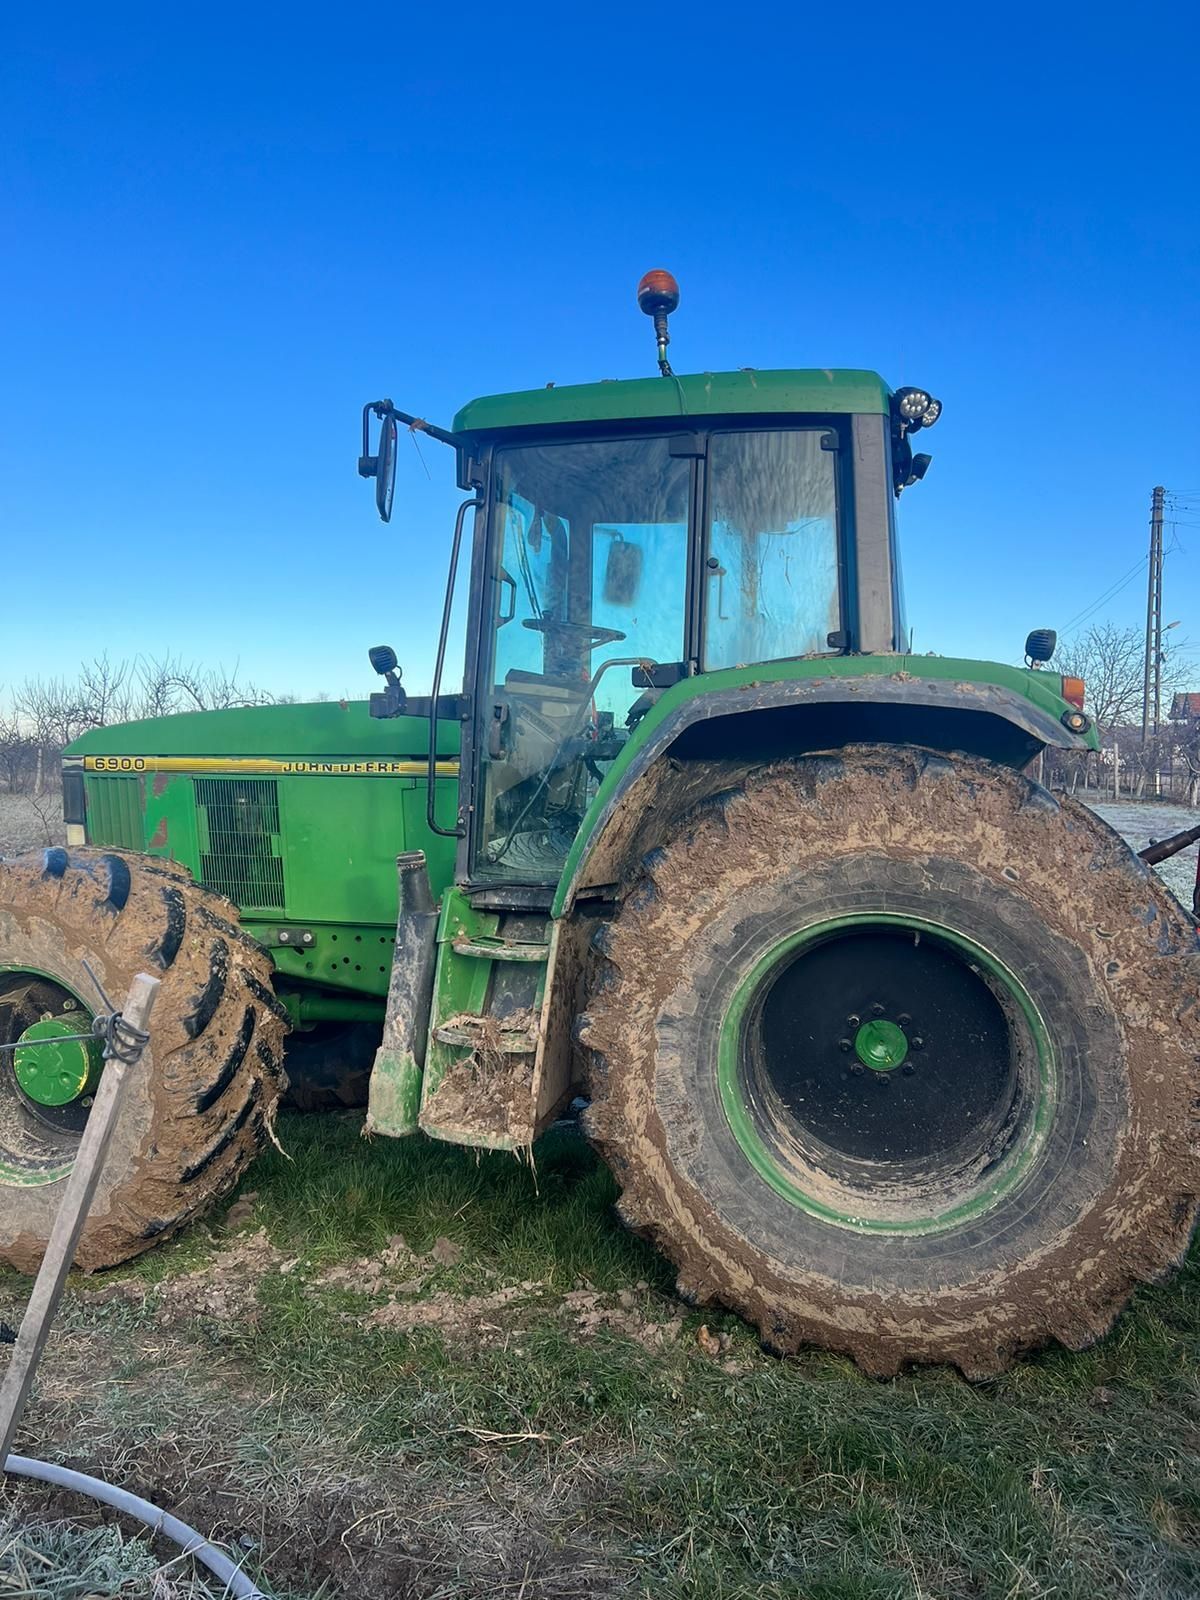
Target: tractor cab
[[629, 535]]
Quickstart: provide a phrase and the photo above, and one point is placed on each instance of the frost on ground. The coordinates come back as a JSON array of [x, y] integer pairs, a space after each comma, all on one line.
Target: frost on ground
[[29, 823], [62, 1561], [1138, 824]]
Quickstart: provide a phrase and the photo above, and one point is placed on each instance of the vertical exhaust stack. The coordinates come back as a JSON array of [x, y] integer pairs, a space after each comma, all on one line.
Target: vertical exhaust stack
[[658, 296], [395, 1091]]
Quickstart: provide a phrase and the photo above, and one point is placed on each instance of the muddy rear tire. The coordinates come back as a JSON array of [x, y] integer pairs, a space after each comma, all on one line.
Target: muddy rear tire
[[199, 1104], [896, 1054]]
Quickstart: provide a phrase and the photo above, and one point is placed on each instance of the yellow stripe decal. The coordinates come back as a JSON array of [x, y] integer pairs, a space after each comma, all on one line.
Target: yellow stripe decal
[[367, 768]]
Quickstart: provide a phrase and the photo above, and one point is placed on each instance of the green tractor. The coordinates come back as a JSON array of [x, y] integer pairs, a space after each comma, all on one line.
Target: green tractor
[[890, 1050]]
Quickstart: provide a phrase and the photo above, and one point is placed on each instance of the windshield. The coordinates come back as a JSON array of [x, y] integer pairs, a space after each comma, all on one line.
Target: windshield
[[589, 549]]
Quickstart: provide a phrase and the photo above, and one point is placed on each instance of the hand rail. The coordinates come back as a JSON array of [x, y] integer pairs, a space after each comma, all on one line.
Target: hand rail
[[475, 503]]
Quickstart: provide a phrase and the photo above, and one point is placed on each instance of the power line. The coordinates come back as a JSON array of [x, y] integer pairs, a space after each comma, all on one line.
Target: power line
[[1109, 593]]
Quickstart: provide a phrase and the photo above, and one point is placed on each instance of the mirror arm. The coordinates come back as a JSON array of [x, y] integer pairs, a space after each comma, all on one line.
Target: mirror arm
[[385, 408]]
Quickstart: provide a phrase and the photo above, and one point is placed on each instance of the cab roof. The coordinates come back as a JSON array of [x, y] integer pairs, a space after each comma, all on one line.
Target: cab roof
[[698, 394]]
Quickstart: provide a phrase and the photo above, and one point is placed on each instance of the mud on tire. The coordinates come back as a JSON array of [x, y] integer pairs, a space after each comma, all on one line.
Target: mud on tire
[[198, 1106], [856, 1255]]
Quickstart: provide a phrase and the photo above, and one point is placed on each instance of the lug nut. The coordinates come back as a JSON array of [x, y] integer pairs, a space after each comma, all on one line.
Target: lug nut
[[917, 1043], [843, 1044], [853, 1021], [904, 1019], [907, 1069], [856, 1071], [877, 1010]]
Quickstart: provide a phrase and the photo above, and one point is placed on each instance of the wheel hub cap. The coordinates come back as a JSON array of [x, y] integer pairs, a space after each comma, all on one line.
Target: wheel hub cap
[[881, 1045], [54, 1068]]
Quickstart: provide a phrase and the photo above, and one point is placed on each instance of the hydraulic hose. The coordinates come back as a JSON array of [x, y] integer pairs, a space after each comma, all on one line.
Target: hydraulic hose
[[237, 1584]]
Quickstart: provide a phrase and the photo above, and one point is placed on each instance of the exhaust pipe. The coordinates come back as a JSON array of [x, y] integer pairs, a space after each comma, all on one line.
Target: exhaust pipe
[[394, 1097]]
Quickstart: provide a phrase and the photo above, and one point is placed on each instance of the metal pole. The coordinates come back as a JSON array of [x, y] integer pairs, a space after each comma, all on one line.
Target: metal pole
[[1156, 535], [1151, 675], [72, 1214]]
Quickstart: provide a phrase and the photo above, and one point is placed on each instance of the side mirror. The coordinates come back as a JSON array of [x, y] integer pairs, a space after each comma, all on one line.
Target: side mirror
[[382, 465]]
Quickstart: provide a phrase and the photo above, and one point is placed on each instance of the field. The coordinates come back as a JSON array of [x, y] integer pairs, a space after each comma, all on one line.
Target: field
[[401, 1370]]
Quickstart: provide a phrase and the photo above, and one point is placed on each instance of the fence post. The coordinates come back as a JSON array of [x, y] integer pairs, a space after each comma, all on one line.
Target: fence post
[[72, 1213]]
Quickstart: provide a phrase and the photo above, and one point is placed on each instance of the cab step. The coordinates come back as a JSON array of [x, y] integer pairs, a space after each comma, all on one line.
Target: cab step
[[502, 949], [519, 1042]]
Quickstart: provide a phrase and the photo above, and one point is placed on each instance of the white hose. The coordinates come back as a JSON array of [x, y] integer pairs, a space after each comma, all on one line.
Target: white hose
[[237, 1584]]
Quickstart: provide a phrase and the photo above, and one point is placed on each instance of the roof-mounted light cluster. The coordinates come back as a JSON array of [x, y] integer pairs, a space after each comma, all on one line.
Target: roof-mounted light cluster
[[912, 408], [917, 408]]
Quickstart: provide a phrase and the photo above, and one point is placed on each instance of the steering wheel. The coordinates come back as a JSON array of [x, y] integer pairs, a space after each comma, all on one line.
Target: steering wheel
[[596, 636]]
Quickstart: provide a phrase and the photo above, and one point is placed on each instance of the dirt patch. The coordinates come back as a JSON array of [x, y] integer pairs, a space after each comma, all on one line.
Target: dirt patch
[[592, 1313], [226, 1289], [458, 1317]]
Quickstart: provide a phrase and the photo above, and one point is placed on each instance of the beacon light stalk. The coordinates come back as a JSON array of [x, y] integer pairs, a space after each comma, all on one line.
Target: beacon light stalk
[[658, 296]]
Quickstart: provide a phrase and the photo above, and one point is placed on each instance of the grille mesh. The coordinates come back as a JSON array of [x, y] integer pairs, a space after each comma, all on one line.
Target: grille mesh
[[242, 860]]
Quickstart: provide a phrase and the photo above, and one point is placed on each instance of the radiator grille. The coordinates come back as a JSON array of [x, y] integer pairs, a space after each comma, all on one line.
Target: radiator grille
[[114, 813], [242, 857]]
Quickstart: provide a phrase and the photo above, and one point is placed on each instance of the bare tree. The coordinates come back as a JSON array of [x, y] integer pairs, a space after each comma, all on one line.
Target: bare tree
[[46, 714], [104, 695], [169, 685], [54, 713], [1111, 662], [17, 754]]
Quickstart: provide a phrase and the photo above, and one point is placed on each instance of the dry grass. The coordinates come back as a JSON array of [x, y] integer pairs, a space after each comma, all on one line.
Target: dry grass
[[410, 1372]]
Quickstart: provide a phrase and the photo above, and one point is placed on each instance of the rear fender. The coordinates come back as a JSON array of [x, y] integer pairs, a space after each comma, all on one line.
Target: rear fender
[[704, 738]]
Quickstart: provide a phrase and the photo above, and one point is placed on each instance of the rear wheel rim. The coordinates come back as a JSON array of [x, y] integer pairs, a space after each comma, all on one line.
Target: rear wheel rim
[[42, 1115], [886, 1074]]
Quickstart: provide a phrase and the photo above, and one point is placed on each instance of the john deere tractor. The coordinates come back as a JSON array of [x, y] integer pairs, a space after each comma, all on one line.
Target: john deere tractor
[[890, 1049]]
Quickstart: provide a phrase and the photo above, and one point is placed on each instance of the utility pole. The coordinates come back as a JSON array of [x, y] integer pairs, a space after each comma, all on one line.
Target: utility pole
[[1152, 678]]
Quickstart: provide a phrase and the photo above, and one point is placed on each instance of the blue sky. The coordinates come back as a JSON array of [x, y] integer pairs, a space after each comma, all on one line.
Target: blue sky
[[225, 228]]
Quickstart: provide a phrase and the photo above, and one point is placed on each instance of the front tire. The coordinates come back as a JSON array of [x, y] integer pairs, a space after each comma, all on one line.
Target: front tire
[[200, 1101], [896, 1054]]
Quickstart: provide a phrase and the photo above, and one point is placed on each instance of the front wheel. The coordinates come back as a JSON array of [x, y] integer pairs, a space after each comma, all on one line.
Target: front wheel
[[202, 1096], [896, 1054]]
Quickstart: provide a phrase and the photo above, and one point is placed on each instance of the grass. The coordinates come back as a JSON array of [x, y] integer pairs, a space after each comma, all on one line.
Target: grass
[[561, 1443], [59, 1561]]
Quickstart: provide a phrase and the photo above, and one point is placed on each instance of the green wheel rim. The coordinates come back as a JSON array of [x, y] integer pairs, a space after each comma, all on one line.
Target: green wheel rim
[[33, 1075], [878, 1040]]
